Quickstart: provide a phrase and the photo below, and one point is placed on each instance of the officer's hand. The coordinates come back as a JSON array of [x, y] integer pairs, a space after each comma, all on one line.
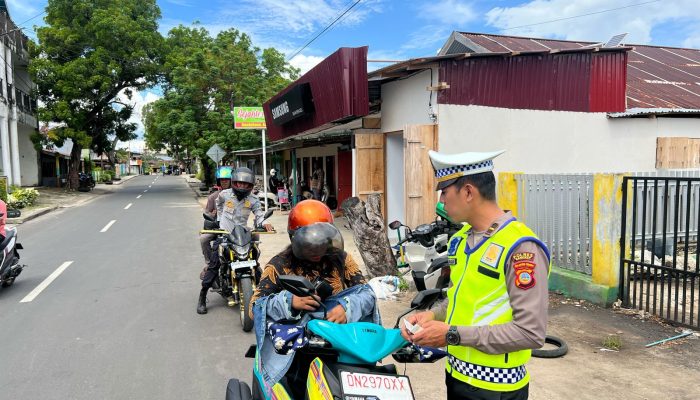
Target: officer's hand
[[415, 319], [268, 227], [432, 334], [337, 315], [306, 303]]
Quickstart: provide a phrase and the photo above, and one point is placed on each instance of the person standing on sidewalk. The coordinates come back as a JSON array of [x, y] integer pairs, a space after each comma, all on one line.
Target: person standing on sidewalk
[[496, 307], [317, 181], [223, 181]]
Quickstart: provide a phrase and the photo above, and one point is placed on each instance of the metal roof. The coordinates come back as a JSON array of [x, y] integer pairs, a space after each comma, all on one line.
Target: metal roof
[[643, 112], [657, 77]]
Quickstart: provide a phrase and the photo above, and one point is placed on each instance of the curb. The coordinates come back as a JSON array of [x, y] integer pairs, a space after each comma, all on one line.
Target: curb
[[31, 216]]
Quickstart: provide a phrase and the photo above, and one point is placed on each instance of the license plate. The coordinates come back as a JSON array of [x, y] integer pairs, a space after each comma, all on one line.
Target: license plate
[[242, 264], [360, 386]]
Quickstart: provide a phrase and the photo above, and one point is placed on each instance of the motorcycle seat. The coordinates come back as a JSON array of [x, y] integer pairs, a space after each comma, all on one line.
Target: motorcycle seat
[[11, 233]]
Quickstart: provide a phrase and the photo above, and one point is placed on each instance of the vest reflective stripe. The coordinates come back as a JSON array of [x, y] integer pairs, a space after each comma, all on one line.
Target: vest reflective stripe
[[479, 297]]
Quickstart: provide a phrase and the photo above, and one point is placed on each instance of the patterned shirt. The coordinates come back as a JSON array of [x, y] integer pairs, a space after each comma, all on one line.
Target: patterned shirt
[[286, 264]]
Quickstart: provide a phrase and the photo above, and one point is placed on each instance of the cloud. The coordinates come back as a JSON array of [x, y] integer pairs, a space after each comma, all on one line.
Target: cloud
[[21, 10], [638, 21], [305, 63], [448, 12], [138, 100]]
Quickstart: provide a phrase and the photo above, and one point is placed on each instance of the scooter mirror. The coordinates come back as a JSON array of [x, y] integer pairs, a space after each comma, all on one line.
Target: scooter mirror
[[297, 285], [395, 225], [208, 217], [268, 214]]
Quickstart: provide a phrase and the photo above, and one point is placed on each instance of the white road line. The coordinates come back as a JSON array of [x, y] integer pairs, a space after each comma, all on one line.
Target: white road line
[[145, 191], [43, 285], [149, 186], [128, 206], [139, 196], [108, 225]]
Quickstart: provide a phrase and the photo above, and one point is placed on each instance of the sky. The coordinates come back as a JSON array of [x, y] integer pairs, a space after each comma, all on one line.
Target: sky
[[402, 29]]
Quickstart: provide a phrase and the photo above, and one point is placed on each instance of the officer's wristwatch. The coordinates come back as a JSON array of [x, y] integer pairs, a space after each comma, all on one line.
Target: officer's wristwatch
[[452, 336]]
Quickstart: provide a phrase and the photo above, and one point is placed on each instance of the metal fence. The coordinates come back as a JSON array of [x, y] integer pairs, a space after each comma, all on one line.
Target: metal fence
[[559, 209], [659, 258]]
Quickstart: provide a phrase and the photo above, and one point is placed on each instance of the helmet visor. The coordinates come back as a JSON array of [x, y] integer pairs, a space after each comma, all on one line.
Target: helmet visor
[[314, 241]]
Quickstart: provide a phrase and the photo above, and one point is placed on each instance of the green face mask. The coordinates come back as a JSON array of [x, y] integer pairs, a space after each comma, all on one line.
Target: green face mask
[[440, 210]]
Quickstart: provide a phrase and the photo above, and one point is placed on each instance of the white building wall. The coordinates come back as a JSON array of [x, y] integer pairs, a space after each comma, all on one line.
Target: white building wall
[[558, 141], [405, 102], [29, 164], [395, 179]]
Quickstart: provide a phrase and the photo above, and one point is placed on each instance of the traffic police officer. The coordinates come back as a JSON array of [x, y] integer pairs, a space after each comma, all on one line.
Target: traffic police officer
[[233, 207], [496, 307]]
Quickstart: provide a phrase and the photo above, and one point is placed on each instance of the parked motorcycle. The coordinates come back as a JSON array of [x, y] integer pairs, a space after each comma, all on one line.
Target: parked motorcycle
[[85, 182], [10, 267], [342, 358], [239, 269], [424, 250]]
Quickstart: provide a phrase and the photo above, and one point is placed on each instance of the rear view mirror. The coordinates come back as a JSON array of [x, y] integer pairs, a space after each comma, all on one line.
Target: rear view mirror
[[268, 214], [208, 217], [426, 298], [395, 225], [297, 285]]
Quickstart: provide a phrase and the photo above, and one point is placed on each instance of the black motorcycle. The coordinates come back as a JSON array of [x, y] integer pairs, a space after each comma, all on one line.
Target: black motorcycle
[[239, 270], [85, 182], [10, 267]]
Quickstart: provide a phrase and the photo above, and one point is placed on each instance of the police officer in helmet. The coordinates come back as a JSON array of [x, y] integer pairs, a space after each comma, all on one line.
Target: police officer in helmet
[[233, 207], [496, 308]]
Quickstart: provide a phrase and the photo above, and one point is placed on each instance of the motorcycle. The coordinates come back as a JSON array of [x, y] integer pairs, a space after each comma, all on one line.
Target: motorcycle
[[10, 267], [85, 182], [424, 250], [342, 358], [239, 270]]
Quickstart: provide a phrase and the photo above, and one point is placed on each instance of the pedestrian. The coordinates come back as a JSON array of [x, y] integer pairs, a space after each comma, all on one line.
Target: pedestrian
[[496, 307], [233, 207], [223, 182], [317, 181]]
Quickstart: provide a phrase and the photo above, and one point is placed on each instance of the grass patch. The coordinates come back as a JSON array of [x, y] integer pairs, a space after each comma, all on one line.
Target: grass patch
[[613, 342]]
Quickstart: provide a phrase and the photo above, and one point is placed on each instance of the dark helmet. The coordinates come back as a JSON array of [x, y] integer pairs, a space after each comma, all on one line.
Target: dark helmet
[[312, 242], [242, 174], [308, 212]]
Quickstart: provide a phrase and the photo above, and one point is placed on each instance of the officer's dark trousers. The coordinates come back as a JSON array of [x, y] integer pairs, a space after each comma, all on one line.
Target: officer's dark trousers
[[212, 271], [458, 390]]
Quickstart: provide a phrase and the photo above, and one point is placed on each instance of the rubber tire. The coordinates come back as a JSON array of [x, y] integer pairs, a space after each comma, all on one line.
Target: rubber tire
[[245, 292], [84, 189], [561, 350], [237, 390]]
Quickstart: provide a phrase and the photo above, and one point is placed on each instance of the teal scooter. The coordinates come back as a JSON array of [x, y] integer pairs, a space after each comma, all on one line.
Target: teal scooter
[[341, 359]]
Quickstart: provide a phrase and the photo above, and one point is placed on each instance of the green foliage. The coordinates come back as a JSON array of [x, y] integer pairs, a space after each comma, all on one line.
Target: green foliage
[[204, 76], [88, 53], [3, 189], [612, 342], [20, 197]]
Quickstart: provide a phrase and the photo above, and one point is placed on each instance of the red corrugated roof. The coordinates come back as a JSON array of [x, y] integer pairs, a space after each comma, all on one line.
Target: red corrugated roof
[[657, 77]]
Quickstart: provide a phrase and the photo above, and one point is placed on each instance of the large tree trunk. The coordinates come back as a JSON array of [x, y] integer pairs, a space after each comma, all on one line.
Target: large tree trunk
[[75, 159], [369, 232]]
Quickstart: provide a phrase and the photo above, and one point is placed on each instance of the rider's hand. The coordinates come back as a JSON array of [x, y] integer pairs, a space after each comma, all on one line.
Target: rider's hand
[[306, 303], [337, 315], [420, 319], [268, 227], [433, 334]]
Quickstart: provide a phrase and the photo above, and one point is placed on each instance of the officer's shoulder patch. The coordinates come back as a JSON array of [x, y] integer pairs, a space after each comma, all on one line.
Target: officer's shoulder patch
[[492, 255], [247, 204], [454, 244], [229, 203], [523, 256], [524, 274]]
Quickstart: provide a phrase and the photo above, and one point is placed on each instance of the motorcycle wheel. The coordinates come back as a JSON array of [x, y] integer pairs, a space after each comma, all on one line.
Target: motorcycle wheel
[[245, 291]]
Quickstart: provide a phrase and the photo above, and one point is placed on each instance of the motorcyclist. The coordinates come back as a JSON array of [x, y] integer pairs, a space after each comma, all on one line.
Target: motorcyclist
[[274, 182], [223, 182], [233, 207]]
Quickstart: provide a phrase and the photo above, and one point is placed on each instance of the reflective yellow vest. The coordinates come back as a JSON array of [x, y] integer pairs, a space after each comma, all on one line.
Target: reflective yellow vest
[[479, 297]]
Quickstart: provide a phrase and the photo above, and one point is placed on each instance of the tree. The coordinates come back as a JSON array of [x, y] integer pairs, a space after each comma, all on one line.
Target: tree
[[205, 76], [89, 52]]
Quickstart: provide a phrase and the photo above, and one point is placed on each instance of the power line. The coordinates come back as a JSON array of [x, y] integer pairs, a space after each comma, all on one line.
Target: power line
[[579, 16], [324, 30], [34, 17]]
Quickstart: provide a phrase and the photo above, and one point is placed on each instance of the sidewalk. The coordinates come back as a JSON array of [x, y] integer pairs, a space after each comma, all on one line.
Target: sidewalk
[[51, 198]]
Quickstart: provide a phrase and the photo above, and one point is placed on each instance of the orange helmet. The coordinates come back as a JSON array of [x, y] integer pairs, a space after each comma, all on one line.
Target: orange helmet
[[308, 212]]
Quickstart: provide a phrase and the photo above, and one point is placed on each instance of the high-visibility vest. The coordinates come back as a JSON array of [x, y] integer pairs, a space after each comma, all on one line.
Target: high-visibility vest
[[479, 297]]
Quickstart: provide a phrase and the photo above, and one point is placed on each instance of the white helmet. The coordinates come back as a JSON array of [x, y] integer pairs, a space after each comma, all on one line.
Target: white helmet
[[273, 172]]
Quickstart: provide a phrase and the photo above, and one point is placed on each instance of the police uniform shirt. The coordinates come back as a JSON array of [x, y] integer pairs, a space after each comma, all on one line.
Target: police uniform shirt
[[232, 212], [528, 302]]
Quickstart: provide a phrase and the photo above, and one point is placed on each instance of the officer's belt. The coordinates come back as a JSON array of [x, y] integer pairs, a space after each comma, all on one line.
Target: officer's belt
[[488, 374]]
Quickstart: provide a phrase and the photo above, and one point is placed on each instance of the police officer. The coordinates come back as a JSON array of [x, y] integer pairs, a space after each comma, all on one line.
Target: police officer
[[496, 307], [233, 207], [223, 180]]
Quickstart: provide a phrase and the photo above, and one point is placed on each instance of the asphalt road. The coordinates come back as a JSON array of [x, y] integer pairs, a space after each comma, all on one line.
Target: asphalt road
[[119, 321]]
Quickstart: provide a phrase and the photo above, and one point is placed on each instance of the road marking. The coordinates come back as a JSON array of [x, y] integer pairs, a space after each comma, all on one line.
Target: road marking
[[145, 191], [128, 206], [139, 196], [108, 225], [32, 295], [149, 186]]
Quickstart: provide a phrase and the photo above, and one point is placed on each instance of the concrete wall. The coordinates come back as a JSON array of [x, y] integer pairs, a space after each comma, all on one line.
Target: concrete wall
[[405, 102], [29, 166], [557, 141]]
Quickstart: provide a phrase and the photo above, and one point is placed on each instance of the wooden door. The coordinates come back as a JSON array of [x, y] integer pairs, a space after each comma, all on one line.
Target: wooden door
[[420, 180], [369, 164], [344, 176]]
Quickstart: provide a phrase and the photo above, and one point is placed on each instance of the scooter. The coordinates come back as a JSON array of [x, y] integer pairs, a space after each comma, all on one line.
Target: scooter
[[10, 267], [342, 358], [239, 269]]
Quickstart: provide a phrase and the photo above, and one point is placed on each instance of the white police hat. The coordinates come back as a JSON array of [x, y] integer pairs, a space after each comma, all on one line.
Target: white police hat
[[450, 167]]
